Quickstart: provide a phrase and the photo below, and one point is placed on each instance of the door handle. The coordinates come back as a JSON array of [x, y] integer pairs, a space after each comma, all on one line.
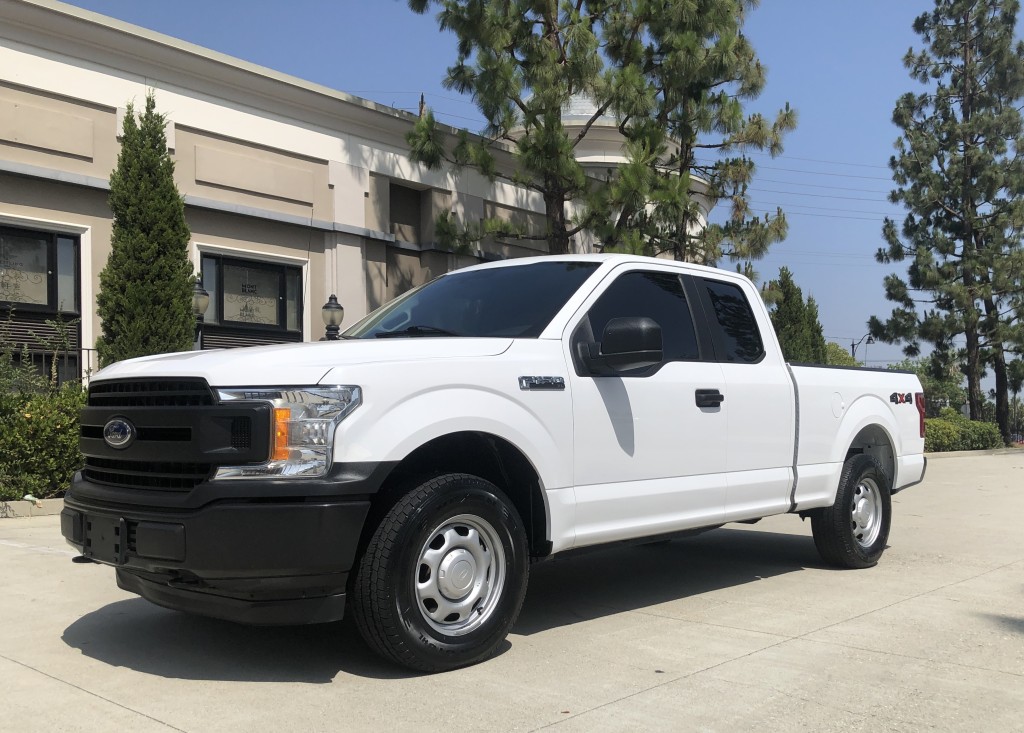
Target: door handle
[[709, 398]]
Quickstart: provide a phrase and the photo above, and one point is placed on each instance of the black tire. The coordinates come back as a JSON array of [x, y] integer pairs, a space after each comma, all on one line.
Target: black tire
[[852, 533], [443, 578]]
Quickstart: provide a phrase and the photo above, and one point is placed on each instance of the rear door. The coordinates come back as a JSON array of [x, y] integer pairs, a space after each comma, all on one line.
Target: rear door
[[760, 399]]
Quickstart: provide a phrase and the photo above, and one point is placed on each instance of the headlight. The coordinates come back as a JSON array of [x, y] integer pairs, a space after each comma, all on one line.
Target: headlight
[[302, 434]]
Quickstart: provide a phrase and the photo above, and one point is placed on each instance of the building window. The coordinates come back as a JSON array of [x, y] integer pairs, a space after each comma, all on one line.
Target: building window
[[251, 302], [406, 212], [39, 288], [38, 271]]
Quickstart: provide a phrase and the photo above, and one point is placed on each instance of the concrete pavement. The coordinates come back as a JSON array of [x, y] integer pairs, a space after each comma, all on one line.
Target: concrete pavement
[[738, 629]]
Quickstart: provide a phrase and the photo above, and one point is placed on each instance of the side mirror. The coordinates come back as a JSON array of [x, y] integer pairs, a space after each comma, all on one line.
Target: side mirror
[[627, 344]]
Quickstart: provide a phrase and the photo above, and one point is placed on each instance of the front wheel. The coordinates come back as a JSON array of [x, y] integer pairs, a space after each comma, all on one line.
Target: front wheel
[[444, 575], [852, 533]]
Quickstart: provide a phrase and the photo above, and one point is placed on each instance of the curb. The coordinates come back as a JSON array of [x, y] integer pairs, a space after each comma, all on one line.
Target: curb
[[989, 452], [21, 509]]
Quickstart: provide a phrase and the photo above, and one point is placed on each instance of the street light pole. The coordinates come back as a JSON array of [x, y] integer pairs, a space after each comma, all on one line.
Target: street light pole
[[200, 302], [855, 343]]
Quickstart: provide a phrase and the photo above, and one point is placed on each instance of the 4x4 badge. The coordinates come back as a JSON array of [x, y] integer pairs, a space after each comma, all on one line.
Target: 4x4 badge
[[118, 433]]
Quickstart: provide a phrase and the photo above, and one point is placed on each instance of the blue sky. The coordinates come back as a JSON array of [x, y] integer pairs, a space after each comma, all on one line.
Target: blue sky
[[838, 63]]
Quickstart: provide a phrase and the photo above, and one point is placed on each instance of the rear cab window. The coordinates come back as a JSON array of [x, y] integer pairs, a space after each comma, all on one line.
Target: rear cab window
[[734, 328]]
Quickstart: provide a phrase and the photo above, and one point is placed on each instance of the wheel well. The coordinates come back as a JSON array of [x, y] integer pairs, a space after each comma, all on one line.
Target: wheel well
[[874, 441], [480, 454]]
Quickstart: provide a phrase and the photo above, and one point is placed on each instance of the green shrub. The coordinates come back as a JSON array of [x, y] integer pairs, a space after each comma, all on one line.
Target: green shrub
[[39, 443], [980, 435], [941, 435], [952, 431]]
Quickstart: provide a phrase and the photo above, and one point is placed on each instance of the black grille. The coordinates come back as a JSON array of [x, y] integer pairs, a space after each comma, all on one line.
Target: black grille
[[145, 475], [144, 393]]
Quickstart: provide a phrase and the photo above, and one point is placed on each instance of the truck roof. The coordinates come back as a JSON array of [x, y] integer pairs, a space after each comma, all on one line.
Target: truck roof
[[602, 258]]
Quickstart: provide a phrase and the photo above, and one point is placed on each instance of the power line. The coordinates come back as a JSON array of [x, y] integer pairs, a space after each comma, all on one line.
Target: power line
[[832, 216], [426, 94], [816, 208], [779, 250], [820, 185], [816, 195], [817, 160], [822, 173]]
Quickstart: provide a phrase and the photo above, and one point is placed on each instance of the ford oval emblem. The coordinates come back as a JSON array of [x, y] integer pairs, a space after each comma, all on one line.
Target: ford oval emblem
[[118, 433]]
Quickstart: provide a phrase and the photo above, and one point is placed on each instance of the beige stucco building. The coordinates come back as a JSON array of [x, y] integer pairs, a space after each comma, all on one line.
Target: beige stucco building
[[293, 191]]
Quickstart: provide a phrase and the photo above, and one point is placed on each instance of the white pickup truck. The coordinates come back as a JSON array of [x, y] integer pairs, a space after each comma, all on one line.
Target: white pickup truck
[[495, 416]]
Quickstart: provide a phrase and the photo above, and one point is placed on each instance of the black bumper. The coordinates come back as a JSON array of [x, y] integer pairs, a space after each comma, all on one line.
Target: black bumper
[[261, 552]]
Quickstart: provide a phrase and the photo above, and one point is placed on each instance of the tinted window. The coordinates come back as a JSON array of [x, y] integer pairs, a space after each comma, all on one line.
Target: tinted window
[[252, 294], [656, 295], [739, 336], [516, 302]]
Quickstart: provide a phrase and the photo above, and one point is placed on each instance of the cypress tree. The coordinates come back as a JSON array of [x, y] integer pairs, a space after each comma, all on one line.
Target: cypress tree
[[796, 322], [960, 175], [145, 296]]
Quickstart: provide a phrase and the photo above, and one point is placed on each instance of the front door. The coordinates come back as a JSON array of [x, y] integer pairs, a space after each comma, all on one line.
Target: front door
[[648, 458]]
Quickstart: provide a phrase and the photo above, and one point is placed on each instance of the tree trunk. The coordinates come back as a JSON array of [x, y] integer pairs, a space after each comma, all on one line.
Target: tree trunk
[[1002, 394], [971, 316], [1002, 379], [558, 233], [973, 371]]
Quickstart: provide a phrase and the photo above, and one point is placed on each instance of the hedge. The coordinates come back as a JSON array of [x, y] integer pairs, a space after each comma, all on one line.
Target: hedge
[[39, 442], [952, 431]]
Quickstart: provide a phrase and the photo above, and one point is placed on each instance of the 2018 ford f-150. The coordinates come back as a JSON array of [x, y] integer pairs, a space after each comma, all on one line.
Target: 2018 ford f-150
[[499, 414]]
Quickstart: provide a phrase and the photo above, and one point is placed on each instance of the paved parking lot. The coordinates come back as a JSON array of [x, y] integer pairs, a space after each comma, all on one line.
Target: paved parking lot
[[737, 629]]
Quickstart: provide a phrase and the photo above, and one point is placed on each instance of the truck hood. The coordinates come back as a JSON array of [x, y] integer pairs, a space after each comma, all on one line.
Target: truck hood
[[295, 364]]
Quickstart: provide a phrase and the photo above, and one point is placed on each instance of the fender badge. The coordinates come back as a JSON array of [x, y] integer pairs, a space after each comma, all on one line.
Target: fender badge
[[541, 383]]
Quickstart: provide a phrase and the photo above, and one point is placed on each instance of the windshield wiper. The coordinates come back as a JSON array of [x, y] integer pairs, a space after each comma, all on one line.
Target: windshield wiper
[[416, 331]]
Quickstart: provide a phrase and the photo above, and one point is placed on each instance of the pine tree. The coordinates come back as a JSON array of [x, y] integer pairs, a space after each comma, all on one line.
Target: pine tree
[[145, 296], [959, 174], [521, 62], [673, 74], [687, 133], [796, 322]]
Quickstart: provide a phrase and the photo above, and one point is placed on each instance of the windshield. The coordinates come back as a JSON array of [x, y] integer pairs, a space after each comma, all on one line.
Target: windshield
[[512, 302]]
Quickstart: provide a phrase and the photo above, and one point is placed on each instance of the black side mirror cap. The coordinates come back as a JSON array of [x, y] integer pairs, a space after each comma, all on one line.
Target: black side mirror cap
[[627, 344]]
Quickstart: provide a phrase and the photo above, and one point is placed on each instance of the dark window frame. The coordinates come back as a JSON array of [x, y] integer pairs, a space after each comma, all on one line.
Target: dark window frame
[[51, 307], [283, 270]]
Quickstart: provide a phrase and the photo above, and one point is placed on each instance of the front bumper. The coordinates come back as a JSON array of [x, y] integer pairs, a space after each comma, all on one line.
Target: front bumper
[[246, 556]]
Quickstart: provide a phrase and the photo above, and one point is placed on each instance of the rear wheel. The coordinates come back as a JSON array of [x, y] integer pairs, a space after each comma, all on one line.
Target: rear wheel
[[853, 532], [444, 575]]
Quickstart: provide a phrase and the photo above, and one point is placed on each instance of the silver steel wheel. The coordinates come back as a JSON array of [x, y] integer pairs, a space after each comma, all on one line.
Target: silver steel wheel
[[866, 512], [460, 575]]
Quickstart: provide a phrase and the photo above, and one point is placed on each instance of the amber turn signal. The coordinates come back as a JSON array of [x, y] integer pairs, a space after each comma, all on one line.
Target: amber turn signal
[[282, 417]]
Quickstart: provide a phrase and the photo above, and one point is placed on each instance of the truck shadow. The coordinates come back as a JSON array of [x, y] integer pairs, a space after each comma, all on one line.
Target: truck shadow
[[137, 635], [604, 582]]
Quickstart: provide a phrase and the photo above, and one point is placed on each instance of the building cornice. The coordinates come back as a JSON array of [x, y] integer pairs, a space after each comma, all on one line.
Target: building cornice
[[70, 31]]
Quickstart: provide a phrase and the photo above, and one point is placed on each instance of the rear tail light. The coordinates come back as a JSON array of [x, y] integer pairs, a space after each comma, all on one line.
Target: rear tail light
[[919, 401]]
